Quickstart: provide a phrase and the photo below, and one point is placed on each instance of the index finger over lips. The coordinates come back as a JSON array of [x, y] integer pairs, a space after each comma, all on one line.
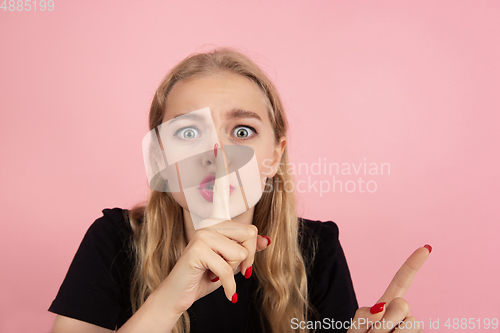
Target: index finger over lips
[[220, 203], [220, 193], [404, 277]]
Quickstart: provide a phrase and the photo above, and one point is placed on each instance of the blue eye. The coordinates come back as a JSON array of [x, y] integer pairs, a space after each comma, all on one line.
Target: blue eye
[[187, 133], [244, 132]]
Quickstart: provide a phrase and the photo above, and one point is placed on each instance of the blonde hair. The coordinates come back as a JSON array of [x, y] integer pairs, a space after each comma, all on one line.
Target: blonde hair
[[158, 225]]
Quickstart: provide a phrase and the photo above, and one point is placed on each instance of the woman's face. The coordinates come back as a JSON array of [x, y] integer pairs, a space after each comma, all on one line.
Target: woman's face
[[230, 110]]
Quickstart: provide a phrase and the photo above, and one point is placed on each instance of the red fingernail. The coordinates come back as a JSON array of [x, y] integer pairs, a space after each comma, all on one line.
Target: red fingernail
[[234, 299], [377, 308], [248, 272], [215, 150], [268, 240], [215, 279], [428, 247]]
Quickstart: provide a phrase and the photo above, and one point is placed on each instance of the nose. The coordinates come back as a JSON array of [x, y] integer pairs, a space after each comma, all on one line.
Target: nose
[[210, 156], [208, 160], [213, 143]]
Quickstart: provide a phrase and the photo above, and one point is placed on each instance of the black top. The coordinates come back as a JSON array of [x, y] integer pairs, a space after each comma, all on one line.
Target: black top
[[96, 287]]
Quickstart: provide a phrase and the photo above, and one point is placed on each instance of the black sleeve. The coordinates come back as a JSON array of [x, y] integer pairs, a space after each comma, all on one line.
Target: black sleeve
[[332, 292], [91, 290]]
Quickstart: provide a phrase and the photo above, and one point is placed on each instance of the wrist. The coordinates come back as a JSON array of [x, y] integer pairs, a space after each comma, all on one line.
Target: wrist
[[154, 316], [169, 297], [164, 298]]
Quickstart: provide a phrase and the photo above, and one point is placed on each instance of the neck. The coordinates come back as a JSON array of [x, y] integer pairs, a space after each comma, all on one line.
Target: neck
[[246, 218]]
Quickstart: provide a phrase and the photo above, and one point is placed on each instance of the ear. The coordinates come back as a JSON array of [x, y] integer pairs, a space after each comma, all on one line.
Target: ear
[[278, 153]]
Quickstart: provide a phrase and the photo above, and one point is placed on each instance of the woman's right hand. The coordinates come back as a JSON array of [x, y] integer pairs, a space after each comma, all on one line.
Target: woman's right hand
[[215, 252], [225, 249]]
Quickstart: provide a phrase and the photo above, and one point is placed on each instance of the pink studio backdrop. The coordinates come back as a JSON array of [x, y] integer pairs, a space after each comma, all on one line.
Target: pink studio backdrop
[[408, 86]]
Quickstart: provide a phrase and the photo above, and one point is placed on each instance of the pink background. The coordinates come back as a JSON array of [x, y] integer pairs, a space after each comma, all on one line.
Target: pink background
[[411, 83]]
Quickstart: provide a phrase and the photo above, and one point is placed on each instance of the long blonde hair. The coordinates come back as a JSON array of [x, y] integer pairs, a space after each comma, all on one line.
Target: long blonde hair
[[158, 225]]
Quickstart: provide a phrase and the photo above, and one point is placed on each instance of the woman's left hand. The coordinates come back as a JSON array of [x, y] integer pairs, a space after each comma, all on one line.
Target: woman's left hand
[[391, 312]]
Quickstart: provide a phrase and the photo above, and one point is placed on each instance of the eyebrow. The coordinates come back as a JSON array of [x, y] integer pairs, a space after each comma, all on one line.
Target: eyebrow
[[187, 115], [240, 113], [236, 113]]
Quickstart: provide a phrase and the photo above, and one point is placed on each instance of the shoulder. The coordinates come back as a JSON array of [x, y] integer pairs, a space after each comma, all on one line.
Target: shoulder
[[322, 229], [330, 286], [113, 224], [107, 238], [112, 218], [96, 286], [320, 244], [314, 233]]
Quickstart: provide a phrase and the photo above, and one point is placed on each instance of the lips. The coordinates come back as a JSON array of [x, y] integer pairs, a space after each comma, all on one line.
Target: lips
[[206, 188]]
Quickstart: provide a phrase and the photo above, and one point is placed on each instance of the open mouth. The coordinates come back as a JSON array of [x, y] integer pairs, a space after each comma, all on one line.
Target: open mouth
[[206, 188]]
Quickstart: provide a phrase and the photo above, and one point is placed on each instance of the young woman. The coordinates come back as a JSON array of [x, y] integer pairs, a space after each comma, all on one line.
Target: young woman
[[151, 269]]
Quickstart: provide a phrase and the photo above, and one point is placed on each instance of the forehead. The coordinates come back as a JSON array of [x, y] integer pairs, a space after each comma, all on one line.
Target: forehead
[[222, 93]]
